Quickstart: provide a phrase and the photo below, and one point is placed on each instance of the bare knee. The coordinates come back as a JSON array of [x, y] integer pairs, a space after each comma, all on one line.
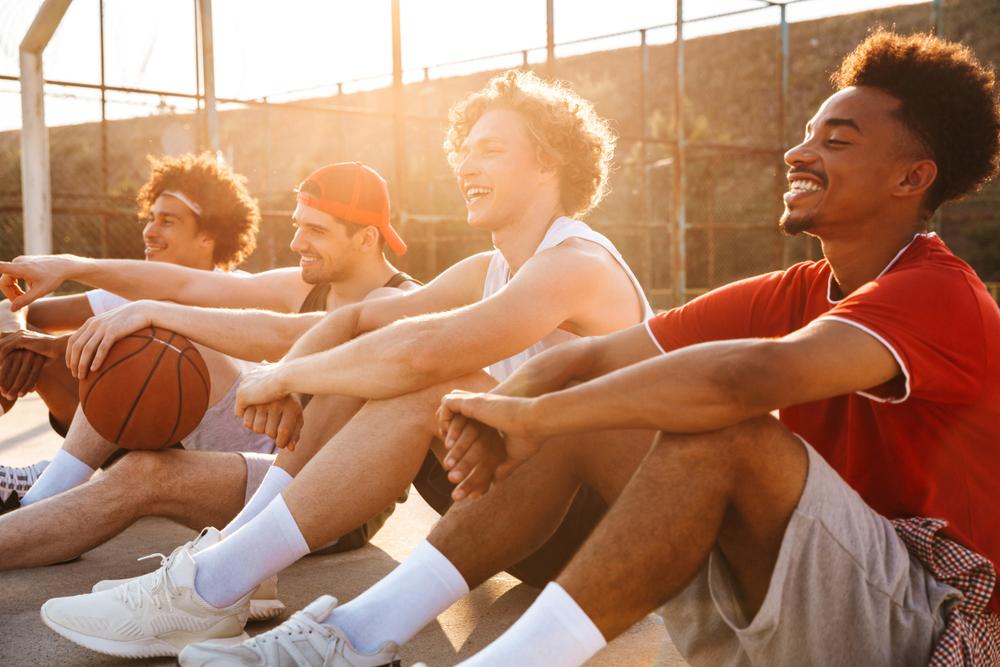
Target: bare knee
[[136, 475]]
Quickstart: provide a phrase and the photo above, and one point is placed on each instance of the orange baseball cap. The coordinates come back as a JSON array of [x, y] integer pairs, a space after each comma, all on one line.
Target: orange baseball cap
[[355, 193]]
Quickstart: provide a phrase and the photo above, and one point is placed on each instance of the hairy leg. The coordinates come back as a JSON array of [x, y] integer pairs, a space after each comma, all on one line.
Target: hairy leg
[[368, 463], [196, 489], [736, 487], [484, 536], [86, 444]]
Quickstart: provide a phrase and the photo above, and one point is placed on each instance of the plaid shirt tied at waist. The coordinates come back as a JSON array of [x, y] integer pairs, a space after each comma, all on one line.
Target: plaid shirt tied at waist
[[971, 636]]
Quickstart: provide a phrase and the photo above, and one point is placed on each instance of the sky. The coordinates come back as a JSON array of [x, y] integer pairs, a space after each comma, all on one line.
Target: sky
[[303, 48]]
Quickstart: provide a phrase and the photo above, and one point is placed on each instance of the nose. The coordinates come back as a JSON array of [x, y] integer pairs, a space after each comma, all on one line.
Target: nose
[[297, 244], [149, 231], [800, 155], [467, 167]]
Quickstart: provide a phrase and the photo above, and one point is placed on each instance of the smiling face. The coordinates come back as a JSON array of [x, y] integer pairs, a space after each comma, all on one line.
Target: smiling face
[[326, 248], [848, 168], [173, 235], [499, 173]]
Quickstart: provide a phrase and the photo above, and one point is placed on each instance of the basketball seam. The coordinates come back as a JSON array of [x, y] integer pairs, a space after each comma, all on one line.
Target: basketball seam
[[93, 383], [142, 389], [197, 370], [180, 401]]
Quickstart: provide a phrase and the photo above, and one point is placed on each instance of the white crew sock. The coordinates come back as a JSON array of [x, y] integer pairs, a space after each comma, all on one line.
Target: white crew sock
[[266, 545], [554, 632], [63, 473], [402, 603], [274, 482]]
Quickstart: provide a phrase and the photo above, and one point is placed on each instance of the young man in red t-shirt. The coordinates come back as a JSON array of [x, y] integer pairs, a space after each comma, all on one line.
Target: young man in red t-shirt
[[861, 527]]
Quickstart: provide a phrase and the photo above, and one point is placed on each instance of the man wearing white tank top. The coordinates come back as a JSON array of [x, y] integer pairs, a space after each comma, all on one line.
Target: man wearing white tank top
[[528, 156]]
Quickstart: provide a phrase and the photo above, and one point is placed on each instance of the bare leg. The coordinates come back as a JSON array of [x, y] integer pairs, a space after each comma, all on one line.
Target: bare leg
[[736, 487], [372, 459], [59, 390], [86, 444], [484, 536], [196, 489], [324, 417]]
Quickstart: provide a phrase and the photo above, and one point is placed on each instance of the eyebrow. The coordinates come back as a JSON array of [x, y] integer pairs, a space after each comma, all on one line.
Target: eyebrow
[[484, 140], [838, 122]]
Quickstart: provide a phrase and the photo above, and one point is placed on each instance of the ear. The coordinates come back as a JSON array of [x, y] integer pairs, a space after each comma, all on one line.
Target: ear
[[368, 238], [917, 179]]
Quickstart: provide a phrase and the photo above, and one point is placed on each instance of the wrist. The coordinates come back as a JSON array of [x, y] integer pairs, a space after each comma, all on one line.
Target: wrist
[[74, 268]]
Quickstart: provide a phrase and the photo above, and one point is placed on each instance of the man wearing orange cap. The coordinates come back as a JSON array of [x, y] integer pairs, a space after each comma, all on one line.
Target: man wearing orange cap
[[342, 262], [529, 157]]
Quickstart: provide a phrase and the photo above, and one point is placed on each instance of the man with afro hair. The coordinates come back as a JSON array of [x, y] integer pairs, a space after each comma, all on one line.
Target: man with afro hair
[[860, 526]]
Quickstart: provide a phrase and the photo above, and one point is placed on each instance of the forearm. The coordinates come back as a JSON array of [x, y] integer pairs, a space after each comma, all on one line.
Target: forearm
[[255, 335], [333, 329], [700, 388], [132, 279], [554, 369]]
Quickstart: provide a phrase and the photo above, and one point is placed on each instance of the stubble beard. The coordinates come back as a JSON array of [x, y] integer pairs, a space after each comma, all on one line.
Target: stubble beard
[[792, 225]]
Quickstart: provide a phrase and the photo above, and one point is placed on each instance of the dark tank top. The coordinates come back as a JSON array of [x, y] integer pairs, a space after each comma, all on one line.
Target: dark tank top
[[315, 301]]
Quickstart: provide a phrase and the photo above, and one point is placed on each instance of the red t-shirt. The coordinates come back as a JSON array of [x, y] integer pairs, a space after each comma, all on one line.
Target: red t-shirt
[[927, 445]]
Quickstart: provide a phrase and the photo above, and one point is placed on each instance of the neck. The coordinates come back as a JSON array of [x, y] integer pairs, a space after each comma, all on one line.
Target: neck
[[860, 258], [518, 240], [370, 275]]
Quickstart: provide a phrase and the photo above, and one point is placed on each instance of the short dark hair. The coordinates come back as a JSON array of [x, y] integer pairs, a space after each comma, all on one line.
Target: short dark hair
[[228, 213], [948, 101]]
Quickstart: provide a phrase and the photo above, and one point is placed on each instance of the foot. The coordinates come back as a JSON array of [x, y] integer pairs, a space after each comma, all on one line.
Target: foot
[[147, 617], [301, 640], [264, 602], [15, 482]]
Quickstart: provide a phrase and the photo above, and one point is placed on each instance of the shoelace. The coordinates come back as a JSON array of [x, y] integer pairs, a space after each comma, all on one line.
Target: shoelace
[[133, 593], [18, 480], [299, 624]]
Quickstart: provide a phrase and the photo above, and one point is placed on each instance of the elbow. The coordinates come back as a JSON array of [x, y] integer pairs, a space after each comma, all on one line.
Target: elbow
[[750, 378]]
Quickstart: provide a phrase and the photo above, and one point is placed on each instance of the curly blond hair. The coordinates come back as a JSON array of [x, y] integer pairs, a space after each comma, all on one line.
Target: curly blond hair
[[228, 213], [566, 130]]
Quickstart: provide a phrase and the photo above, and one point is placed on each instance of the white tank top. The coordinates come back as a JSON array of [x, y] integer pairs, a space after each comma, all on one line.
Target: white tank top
[[499, 275]]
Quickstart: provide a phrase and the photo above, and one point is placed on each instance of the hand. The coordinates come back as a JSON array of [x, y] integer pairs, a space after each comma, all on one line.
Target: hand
[[47, 345], [280, 420], [259, 387], [88, 347], [19, 373], [42, 273], [471, 424]]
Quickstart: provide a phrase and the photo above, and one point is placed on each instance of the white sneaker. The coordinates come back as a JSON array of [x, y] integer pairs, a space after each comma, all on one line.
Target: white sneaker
[[264, 602], [300, 641], [149, 616], [19, 480]]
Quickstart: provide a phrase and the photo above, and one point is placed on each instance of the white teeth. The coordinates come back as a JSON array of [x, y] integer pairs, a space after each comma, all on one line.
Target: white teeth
[[473, 192], [803, 185]]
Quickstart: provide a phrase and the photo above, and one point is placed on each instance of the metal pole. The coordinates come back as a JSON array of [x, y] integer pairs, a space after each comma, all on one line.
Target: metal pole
[[782, 101], [680, 214], [208, 66], [399, 134], [647, 186], [200, 138], [550, 38], [104, 136], [937, 17], [36, 185]]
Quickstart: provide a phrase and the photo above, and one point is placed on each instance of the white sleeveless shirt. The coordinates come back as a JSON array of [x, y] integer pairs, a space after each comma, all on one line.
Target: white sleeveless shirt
[[498, 275]]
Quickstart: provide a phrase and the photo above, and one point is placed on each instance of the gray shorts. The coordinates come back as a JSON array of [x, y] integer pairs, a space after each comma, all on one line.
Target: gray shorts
[[844, 591], [257, 465]]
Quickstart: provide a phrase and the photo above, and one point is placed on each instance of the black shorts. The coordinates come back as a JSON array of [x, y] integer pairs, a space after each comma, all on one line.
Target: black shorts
[[548, 561]]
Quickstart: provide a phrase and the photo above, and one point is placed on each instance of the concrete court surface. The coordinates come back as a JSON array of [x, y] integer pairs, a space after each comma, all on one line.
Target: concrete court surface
[[466, 627]]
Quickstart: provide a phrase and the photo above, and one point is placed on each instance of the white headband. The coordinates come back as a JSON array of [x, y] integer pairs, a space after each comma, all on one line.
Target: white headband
[[185, 199]]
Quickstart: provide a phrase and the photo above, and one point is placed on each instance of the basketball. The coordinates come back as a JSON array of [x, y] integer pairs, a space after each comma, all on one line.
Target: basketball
[[150, 392]]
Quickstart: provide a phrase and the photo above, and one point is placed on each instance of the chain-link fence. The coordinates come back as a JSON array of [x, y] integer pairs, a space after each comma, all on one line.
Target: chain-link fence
[[737, 124]]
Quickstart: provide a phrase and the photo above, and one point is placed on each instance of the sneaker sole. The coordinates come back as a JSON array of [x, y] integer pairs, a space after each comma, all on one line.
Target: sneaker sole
[[265, 610], [143, 648]]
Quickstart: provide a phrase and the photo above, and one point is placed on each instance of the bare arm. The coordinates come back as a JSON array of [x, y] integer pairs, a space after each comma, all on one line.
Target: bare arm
[[702, 387], [421, 351], [60, 313], [279, 289]]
